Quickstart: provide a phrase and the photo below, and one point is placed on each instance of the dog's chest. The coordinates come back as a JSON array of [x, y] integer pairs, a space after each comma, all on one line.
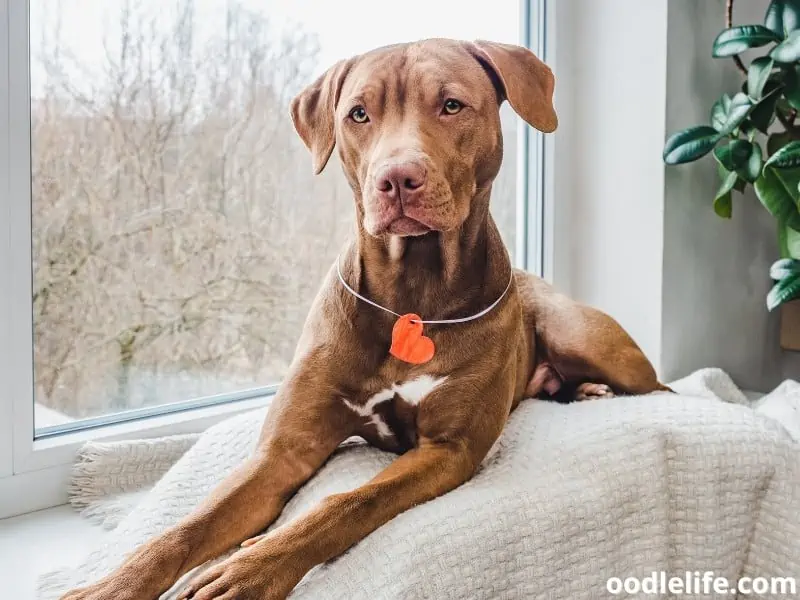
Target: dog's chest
[[388, 416]]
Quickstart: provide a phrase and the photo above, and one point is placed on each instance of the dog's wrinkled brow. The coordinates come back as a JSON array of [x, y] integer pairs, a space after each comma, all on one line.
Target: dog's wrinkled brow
[[455, 90], [370, 95]]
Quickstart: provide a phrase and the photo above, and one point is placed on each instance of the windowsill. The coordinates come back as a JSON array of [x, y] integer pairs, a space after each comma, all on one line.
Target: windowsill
[[40, 542], [45, 471]]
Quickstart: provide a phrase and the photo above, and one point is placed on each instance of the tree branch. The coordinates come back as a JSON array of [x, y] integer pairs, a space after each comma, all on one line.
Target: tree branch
[[728, 25]]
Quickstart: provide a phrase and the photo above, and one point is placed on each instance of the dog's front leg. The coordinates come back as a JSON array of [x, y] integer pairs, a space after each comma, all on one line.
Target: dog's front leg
[[304, 426], [456, 432], [270, 568]]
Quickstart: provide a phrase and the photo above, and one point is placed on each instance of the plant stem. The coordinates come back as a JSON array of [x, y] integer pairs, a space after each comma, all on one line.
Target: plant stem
[[728, 25], [788, 123]]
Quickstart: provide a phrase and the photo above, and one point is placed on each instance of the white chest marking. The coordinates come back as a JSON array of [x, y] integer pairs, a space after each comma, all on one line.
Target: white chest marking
[[410, 391], [415, 390], [368, 411]]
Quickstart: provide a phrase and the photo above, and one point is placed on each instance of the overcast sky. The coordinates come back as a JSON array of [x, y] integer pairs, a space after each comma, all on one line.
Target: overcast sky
[[343, 27]]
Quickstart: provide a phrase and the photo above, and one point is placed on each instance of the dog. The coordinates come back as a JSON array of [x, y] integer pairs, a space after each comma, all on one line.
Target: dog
[[417, 128]]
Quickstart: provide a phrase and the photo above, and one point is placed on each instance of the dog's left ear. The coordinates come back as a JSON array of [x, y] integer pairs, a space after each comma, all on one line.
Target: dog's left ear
[[313, 112], [525, 81]]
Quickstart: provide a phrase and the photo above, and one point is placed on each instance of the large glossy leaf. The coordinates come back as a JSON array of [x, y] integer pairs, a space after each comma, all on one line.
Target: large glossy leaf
[[786, 157], [719, 112], [793, 96], [791, 89], [723, 205], [783, 268], [738, 39], [783, 291], [723, 201], [790, 243], [788, 51], [751, 169], [777, 191], [733, 155], [757, 75], [783, 246], [739, 185], [737, 110], [728, 113], [763, 113], [783, 16], [690, 144]]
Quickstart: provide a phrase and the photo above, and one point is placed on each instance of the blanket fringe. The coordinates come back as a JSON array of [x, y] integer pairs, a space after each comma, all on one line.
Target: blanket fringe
[[108, 478], [53, 585]]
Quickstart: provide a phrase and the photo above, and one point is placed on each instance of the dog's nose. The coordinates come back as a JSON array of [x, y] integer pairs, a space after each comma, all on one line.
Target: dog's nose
[[400, 181]]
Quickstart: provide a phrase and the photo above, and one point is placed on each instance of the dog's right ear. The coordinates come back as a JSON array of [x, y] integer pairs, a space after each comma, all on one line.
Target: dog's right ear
[[313, 113], [524, 80]]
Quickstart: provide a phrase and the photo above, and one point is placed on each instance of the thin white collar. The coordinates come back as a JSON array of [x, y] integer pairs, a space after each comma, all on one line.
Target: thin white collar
[[438, 322]]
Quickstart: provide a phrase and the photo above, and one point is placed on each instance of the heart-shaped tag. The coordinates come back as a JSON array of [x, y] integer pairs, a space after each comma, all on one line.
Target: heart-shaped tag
[[408, 343]]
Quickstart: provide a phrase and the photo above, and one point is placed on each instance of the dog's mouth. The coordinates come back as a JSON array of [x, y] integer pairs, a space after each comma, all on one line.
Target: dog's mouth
[[406, 226]]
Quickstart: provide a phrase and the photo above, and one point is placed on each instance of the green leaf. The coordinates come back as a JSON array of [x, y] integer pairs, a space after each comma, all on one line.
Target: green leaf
[[719, 112], [728, 113], [783, 242], [723, 203], [786, 157], [783, 16], [788, 51], [763, 113], [734, 155], [777, 191], [751, 169], [738, 39], [737, 110], [793, 97], [690, 144], [792, 89], [783, 291], [788, 241], [738, 185], [757, 76], [783, 268], [777, 140], [792, 242]]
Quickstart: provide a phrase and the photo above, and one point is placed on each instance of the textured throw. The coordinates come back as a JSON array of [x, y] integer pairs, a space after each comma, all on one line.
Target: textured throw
[[574, 495]]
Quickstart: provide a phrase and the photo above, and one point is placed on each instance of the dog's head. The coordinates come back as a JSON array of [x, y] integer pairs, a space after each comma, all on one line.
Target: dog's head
[[418, 126]]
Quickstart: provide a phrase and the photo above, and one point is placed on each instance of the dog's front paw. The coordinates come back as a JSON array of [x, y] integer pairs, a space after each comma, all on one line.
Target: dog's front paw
[[253, 573], [593, 391]]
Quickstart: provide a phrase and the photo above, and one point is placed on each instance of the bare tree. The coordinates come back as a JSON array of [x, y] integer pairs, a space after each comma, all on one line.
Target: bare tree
[[179, 235]]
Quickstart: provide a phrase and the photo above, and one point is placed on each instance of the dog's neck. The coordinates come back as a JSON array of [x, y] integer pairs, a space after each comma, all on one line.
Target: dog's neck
[[438, 275]]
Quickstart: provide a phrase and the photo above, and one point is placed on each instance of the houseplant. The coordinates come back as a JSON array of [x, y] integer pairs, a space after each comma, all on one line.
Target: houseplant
[[754, 133]]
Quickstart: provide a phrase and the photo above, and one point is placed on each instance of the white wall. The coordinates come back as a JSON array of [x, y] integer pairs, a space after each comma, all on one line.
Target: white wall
[[610, 62], [641, 239]]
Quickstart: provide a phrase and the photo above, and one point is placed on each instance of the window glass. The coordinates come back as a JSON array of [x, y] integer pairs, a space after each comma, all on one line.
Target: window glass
[[179, 235]]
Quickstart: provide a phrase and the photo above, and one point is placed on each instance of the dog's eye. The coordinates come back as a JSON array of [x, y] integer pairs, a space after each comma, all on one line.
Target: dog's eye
[[359, 114], [452, 106]]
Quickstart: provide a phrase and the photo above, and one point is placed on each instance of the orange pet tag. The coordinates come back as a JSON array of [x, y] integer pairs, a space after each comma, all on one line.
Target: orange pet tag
[[408, 343]]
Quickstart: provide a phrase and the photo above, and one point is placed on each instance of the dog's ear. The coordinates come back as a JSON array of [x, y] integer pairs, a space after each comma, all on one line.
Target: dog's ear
[[522, 79], [313, 112]]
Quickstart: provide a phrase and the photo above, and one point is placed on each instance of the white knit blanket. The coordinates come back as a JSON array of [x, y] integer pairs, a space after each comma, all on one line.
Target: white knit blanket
[[576, 494]]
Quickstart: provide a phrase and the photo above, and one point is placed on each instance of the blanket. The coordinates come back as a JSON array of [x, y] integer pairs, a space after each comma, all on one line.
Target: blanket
[[574, 495]]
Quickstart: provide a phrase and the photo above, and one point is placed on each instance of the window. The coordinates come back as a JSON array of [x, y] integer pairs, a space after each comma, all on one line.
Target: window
[[162, 234]]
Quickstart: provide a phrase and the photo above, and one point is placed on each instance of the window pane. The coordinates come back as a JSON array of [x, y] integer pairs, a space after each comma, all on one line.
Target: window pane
[[179, 235]]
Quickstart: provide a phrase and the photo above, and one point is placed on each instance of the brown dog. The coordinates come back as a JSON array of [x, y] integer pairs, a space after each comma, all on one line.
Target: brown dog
[[418, 132]]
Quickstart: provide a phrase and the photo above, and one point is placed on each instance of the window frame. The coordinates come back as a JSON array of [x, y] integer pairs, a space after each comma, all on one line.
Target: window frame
[[34, 473]]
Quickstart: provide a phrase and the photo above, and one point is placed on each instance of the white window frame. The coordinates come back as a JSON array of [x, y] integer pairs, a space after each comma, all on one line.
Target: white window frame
[[34, 473]]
